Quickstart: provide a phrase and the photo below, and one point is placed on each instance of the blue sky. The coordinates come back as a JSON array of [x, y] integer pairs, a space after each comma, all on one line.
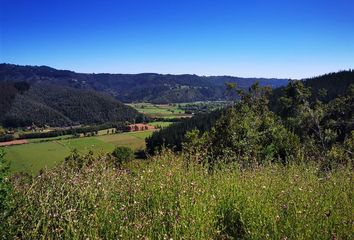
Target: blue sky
[[253, 38]]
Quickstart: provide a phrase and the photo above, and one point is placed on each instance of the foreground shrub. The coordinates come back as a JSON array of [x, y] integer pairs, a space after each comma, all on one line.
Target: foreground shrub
[[122, 155]]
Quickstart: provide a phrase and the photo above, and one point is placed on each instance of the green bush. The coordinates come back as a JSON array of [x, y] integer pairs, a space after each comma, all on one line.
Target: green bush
[[246, 136], [122, 155], [76, 161], [6, 137]]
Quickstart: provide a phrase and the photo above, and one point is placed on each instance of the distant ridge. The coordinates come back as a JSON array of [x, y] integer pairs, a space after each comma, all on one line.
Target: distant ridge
[[144, 87]]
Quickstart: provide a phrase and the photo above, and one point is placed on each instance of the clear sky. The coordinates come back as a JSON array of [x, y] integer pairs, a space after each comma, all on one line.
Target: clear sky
[[247, 38]]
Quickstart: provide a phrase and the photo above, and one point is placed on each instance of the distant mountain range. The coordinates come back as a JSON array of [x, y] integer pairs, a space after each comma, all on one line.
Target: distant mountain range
[[144, 87]]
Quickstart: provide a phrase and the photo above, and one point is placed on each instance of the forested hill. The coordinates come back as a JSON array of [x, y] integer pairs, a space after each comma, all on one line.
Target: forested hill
[[333, 84], [325, 87], [147, 87], [333, 90], [22, 104]]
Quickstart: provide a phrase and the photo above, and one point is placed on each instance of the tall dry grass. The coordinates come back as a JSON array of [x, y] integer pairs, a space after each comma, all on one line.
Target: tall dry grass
[[162, 199]]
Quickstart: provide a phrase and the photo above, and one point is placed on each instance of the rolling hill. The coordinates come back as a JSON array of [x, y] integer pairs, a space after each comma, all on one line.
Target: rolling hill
[[22, 104]]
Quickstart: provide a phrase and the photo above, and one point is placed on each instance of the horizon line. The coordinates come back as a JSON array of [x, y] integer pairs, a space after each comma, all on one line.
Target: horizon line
[[178, 74]]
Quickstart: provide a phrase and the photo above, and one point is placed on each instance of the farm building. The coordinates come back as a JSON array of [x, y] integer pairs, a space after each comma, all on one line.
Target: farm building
[[139, 127]]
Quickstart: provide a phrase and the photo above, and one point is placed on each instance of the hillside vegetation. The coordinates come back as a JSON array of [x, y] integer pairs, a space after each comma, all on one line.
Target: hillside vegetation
[[45, 104], [145, 87]]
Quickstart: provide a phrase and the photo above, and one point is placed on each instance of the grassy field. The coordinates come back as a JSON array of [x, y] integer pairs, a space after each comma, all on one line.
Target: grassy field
[[160, 124], [162, 199], [32, 157], [159, 110]]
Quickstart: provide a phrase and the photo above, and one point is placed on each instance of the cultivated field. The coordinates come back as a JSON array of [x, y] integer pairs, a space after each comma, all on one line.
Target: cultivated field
[[160, 124], [31, 158], [159, 110]]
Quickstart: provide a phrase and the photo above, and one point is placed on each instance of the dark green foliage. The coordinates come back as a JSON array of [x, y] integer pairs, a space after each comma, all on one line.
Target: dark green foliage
[[53, 105], [332, 84], [339, 114], [323, 88], [319, 125], [146, 87], [173, 135], [247, 133], [249, 137], [122, 155], [8, 93], [6, 137], [22, 86], [76, 161]]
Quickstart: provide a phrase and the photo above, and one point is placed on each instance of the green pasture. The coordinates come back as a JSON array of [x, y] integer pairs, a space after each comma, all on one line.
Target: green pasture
[[159, 110], [32, 157], [160, 124]]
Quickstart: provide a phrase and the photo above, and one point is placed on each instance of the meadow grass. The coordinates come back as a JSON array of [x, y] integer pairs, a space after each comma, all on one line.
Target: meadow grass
[[163, 198], [160, 124], [33, 157], [30, 158], [140, 134], [158, 110]]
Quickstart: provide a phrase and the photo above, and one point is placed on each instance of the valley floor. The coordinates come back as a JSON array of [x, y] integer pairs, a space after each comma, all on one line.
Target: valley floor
[[36, 155]]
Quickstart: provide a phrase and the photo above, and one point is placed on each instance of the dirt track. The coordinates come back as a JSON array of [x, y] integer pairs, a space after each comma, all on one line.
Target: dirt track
[[14, 142]]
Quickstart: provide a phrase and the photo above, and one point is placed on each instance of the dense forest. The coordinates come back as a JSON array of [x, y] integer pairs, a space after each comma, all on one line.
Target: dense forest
[[315, 114], [24, 104], [145, 87]]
